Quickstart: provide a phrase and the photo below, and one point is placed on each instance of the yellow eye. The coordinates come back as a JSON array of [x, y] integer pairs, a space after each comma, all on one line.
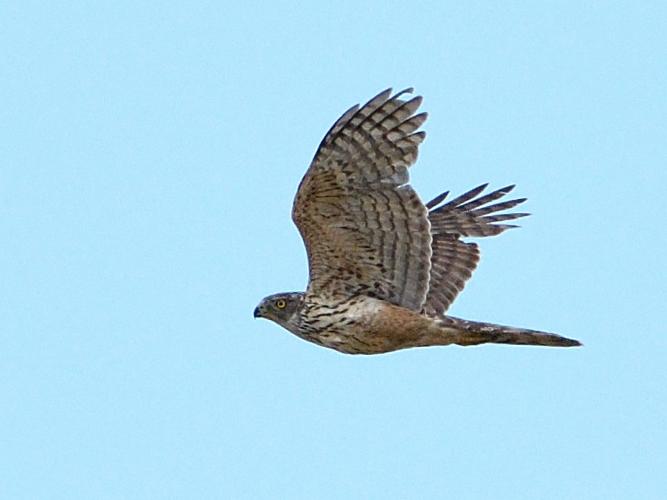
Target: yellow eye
[[281, 304]]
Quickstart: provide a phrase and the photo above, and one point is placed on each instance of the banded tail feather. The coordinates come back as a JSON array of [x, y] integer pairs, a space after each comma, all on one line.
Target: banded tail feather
[[476, 332]]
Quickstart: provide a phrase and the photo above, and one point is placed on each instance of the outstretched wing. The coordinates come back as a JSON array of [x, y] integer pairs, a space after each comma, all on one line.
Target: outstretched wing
[[453, 260], [365, 229]]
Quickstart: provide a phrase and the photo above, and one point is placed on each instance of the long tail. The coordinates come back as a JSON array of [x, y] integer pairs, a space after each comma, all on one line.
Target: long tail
[[475, 332]]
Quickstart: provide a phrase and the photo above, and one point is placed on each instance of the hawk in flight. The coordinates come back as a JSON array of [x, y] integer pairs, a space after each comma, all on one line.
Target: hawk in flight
[[384, 267]]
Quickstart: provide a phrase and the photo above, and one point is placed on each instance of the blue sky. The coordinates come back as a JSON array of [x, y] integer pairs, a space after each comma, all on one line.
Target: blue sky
[[150, 153]]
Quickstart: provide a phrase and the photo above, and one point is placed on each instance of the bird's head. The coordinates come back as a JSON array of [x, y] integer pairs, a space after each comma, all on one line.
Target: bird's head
[[282, 308]]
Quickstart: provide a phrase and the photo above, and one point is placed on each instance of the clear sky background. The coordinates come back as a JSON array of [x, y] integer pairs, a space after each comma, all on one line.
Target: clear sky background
[[149, 154]]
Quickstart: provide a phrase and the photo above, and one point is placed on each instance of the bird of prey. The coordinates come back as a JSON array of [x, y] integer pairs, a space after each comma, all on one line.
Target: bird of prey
[[383, 266]]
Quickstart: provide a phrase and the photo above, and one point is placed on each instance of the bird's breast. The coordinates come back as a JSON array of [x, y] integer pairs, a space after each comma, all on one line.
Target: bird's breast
[[362, 325]]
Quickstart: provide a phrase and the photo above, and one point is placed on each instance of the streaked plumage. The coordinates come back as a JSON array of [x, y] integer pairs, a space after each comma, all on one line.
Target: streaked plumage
[[383, 267]]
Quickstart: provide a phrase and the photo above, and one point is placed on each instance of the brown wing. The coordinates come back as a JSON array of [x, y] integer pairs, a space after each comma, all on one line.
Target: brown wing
[[364, 227], [453, 260]]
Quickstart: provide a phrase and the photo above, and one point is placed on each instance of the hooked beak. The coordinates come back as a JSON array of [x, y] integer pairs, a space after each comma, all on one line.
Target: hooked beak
[[257, 313]]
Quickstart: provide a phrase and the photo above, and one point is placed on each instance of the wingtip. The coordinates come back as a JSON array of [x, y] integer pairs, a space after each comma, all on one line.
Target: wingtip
[[381, 96], [436, 201], [505, 227], [386, 94]]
